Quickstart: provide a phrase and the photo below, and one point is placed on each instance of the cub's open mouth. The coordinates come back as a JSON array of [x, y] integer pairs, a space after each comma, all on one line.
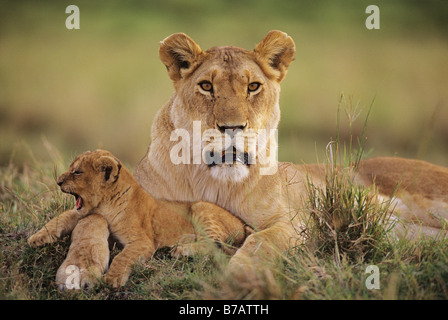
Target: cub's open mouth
[[79, 202], [227, 157]]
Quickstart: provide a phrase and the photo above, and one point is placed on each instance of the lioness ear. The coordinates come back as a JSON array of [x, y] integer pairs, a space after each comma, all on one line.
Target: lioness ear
[[275, 52], [109, 166], [180, 54]]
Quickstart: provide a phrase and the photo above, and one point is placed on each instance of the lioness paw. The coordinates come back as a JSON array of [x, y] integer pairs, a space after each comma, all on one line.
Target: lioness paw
[[41, 237]]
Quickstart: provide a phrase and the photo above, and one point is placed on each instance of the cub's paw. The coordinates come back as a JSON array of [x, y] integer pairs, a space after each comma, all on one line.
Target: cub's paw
[[191, 249], [114, 280], [74, 278], [185, 247], [182, 250], [42, 237]]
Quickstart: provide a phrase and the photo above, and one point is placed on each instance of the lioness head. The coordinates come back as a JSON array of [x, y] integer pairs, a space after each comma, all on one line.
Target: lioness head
[[228, 91], [89, 178]]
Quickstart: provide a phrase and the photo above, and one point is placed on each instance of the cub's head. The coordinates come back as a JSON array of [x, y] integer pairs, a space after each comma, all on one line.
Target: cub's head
[[226, 91], [89, 178]]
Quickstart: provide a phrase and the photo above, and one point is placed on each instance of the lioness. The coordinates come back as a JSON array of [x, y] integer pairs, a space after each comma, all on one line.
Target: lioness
[[118, 206], [229, 88]]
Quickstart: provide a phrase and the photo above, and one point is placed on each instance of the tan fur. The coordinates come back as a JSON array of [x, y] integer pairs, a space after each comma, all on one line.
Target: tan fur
[[419, 189], [113, 201]]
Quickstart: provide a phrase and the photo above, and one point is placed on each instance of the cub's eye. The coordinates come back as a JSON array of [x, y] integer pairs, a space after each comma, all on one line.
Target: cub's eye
[[253, 86], [77, 172], [206, 86]]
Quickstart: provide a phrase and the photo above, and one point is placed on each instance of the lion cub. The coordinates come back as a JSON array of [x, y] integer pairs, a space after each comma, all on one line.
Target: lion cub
[[107, 192]]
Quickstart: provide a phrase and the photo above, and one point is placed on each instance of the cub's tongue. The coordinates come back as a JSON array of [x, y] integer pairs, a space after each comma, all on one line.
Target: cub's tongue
[[78, 203]]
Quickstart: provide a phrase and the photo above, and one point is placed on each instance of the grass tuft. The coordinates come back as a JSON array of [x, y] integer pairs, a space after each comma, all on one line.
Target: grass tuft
[[346, 220]]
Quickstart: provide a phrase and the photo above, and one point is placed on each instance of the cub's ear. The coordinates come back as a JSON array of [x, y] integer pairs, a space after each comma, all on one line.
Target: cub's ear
[[180, 54], [109, 166], [275, 52]]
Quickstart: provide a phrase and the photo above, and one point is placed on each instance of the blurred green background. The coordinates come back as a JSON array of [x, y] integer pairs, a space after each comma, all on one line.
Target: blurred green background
[[101, 86]]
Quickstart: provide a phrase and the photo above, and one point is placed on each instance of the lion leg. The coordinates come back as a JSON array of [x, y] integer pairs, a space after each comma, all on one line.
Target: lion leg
[[216, 224], [261, 248], [142, 248], [88, 256], [55, 228]]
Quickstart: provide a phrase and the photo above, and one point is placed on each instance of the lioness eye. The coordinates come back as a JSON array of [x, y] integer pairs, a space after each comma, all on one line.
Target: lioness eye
[[77, 172], [253, 86], [206, 86]]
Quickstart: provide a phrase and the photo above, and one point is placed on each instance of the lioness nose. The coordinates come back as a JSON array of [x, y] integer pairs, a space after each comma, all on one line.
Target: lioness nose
[[60, 181]]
